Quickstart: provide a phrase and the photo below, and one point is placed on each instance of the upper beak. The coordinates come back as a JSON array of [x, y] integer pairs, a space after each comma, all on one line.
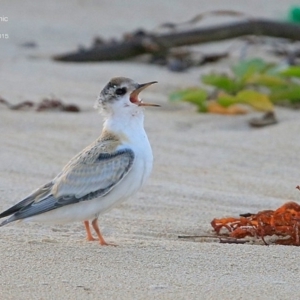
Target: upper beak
[[134, 95]]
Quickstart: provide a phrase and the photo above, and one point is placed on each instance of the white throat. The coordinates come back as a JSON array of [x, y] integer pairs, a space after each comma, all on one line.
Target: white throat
[[126, 122]]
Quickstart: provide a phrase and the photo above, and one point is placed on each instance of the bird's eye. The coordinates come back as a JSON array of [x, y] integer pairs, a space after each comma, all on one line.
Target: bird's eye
[[121, 91]]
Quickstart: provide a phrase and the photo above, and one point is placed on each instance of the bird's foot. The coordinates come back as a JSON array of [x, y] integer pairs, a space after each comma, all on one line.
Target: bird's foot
[[90, 239], [102, 242]]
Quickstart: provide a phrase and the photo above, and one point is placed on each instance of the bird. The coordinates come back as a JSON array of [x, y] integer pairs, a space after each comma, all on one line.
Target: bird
[[108, 171]]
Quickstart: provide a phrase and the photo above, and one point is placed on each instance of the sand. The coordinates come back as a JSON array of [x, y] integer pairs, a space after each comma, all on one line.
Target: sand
[[206, 166]]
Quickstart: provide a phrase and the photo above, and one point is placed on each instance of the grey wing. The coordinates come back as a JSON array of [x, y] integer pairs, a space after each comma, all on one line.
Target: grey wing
[[80, 181], [87, 179], [40, 193]]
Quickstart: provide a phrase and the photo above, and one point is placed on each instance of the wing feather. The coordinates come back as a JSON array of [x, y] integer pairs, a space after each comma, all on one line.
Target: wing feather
[[100, 175], [89, 175]]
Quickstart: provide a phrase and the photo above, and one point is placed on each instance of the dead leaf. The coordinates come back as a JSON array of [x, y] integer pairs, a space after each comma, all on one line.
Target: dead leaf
[[234, 109]]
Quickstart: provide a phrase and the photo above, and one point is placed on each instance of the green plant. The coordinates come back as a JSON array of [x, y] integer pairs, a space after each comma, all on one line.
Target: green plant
[[252, 82]]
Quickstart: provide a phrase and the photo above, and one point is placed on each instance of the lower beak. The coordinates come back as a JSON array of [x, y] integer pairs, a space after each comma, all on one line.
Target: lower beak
[[134, 95]]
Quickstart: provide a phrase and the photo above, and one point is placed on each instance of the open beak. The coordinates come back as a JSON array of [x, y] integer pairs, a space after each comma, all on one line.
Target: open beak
[[134, 96]]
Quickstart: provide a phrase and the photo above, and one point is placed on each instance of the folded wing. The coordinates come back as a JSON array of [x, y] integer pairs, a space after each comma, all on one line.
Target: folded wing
[[85, 178]]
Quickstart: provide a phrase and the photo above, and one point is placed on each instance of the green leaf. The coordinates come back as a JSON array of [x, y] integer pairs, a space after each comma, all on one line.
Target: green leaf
[[274, 70], [293, 71], [266, 80], [246, 68], [222, 82], [192, 95], [179, 95], [257, 100], [291, 93], [226, 100]]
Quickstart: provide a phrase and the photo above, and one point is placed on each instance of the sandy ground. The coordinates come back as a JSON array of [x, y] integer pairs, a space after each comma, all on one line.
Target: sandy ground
[[206, 166]]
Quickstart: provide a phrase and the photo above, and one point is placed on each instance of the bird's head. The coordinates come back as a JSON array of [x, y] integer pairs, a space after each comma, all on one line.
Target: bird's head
[[122, 93]]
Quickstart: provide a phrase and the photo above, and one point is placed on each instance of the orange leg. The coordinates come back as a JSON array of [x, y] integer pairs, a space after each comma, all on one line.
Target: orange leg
[[97, 230], [89, 235]]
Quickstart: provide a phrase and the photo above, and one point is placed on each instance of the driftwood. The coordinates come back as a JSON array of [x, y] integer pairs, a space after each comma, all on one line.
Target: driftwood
[[47, 104], [143, 43]]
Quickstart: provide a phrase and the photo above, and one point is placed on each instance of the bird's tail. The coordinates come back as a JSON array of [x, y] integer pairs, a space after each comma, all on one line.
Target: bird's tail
[[21, 209], [11, 219], [12, 210]]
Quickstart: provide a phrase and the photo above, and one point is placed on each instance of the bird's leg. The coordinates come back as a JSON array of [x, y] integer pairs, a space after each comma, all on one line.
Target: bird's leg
[[89, 235], [97, 230]]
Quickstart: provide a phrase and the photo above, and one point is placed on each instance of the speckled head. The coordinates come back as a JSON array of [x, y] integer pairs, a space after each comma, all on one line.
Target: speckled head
[[121, 92]]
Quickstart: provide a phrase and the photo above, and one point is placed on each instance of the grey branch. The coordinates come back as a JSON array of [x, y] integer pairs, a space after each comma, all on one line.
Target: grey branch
[[151, 43]]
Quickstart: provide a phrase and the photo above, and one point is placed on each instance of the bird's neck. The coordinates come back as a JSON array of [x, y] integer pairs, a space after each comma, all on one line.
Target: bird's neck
[[125, 123]]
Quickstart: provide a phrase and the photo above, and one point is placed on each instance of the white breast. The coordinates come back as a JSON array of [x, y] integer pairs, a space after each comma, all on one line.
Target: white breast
[[139, 173], [129, 126], [128, 186]]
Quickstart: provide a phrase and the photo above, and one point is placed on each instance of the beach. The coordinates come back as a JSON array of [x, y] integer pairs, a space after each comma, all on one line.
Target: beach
[[206, 166]]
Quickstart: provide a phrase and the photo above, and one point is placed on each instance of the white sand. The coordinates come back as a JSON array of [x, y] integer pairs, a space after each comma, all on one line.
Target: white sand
[[206, 166]]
